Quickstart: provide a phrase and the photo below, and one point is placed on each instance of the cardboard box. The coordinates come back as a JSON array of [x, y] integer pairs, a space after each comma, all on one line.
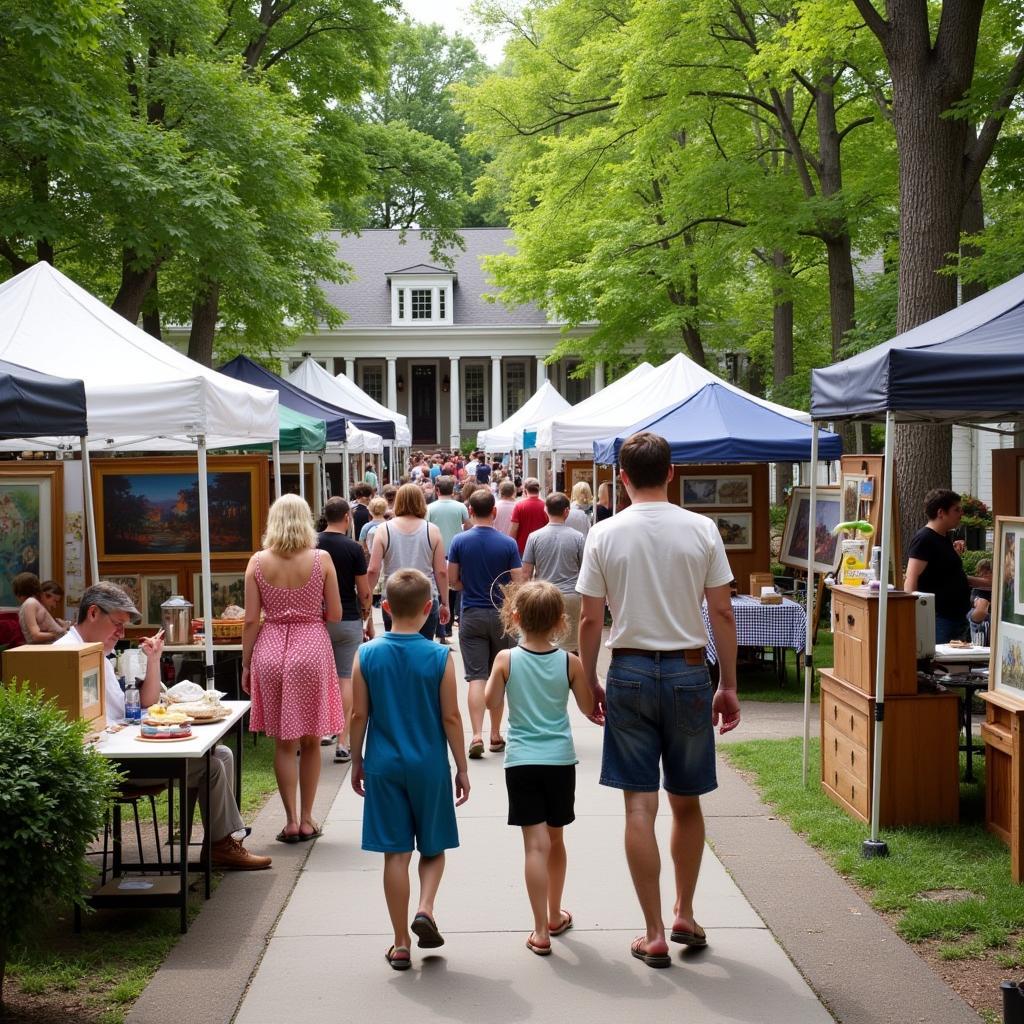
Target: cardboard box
[[73, 675], [759, 580]]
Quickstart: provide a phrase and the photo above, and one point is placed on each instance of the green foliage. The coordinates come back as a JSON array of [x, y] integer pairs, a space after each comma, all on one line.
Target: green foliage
[[975, 511], [971, 560], [52, 804]]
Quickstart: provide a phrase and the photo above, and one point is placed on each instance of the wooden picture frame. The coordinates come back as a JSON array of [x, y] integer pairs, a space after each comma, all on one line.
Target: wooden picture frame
[[147, 511], [736, 529], [156, 589], [700, 492], [31, 524], [850, 485], [1006, 661], [226, 587], [794, 536]]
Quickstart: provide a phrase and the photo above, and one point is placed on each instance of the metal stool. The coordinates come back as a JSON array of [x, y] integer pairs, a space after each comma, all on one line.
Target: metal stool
[[131, 794]]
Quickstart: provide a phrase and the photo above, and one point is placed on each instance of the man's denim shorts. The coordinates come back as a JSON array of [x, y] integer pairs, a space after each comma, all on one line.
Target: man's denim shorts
[[658, 716]]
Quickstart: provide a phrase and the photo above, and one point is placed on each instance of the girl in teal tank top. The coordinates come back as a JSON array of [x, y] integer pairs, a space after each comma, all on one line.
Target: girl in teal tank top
[[536, 679]]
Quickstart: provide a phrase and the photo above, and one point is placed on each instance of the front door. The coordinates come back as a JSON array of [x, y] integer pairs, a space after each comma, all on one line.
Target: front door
[[424, 404]]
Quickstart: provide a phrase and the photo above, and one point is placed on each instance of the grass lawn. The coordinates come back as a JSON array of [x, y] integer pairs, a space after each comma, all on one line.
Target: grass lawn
[[759, 682], [55, 975], [951, 885]]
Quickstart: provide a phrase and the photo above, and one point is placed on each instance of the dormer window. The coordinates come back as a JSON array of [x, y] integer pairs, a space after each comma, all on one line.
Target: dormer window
[[421, 295]]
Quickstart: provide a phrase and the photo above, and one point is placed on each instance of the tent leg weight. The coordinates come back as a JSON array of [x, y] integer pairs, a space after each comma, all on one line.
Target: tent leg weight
[[872, 848]]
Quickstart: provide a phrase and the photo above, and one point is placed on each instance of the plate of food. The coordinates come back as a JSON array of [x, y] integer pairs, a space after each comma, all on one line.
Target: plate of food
[[961, 645]]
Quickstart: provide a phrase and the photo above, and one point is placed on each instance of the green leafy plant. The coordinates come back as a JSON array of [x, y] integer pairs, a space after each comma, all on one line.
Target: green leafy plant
[[53, 795], [975, 511]]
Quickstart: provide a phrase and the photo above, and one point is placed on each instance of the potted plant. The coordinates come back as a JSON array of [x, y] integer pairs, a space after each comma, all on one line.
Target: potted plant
[[976, 519], [52, 804]]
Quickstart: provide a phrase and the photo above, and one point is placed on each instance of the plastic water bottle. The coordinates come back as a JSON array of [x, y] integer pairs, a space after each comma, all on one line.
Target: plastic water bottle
[[132, 703]]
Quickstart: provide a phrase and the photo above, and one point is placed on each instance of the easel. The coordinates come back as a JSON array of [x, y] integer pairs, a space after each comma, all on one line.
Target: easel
[[871, 466]]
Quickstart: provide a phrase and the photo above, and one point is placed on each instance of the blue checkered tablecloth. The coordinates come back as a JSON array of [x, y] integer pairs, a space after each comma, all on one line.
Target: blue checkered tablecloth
[[763, 625]]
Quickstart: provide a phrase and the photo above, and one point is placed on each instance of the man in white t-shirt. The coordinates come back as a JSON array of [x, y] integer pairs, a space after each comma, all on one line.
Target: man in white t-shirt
[[654, 563]]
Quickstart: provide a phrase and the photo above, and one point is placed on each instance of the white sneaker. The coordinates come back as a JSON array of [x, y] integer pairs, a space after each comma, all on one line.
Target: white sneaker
[[326, 741]]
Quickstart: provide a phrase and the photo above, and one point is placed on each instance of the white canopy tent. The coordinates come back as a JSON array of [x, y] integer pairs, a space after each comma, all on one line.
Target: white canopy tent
[[545, 404], [141, 394]]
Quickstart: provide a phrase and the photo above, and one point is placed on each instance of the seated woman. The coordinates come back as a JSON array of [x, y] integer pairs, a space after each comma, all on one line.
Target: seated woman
[[38, 626], [979, 616]]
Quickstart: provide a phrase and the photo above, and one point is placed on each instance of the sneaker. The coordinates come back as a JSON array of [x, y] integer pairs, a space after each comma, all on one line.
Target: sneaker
[[326, 741], [342, 755], [229, 854]]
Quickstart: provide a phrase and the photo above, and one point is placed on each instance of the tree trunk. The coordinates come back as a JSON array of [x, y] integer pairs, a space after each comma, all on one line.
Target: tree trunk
[[135, 286], [151, 312], [204, 323], [782, 348], [972, 222]]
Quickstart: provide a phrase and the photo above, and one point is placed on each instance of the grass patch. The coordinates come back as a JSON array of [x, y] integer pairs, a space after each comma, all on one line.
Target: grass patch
[[758, 681], [921, 861], [96, 975]]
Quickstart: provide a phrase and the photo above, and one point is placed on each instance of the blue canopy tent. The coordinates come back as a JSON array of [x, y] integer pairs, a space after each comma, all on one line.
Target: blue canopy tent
[[715, 424], [966, 366], [34, 404]]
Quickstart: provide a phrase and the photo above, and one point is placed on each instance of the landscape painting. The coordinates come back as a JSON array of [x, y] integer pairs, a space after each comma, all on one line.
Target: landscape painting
[[827, 518], [31, 525]]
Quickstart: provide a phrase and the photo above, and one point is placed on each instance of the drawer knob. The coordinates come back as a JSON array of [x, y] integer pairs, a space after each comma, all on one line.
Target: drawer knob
[[851, 723], [849, 620], [851, 758], [835, 712], [836, 742], [853, 794], [835, 775]]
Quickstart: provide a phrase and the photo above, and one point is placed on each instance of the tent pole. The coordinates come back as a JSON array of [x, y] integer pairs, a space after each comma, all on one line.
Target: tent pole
[[615, 488], [275, 448], [204, 547], [593, 495], [875, 847], [90, 515], [302, 475], [346, 482], [810, 595]]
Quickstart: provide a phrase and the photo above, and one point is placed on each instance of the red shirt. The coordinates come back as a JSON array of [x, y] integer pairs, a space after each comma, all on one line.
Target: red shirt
[[531, 514]]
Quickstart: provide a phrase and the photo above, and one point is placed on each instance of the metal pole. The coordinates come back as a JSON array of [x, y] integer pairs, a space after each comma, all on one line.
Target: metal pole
[[93, 575], [615, 487], [302, 475], [875, 847], [593, 507], [346, 482], [810, 595], [275, 448], [204, 548]]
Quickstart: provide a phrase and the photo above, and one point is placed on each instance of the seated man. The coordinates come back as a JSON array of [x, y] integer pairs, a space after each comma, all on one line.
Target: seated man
[[103, 613]]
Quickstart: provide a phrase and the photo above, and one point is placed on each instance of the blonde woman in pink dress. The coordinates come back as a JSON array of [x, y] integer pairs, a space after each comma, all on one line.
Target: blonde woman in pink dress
[[288, 661]]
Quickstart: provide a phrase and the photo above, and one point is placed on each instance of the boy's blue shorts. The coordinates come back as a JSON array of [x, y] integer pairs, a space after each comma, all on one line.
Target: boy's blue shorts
[[410, 810]]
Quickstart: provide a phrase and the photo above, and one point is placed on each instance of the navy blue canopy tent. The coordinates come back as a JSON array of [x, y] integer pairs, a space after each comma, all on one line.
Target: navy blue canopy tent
[[244, 369], [715, 424], [34, 404]]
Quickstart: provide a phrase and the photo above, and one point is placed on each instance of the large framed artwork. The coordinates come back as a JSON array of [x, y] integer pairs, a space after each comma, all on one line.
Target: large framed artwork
[[225, 588], [828, 515], [148, 509], [711, 491], [1006, 666], [31, 524]]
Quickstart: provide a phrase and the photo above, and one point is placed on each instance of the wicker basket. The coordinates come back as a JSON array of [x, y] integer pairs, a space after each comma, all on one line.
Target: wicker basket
[[223, 629]]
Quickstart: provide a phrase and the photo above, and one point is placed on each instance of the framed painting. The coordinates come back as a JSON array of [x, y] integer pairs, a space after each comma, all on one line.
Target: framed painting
[[156, 590], [130, 583], [31, 524], [1006, 664], [148, 509], [736, 529], [711, 491], [828, 515], [851, 487], [225, 588]]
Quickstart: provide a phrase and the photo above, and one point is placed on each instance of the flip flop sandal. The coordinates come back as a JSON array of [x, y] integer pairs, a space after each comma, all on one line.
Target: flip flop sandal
[[476, 749], [305, 837], [533, 947], [424, 928], [651, 959], [398, 963], [497, 746], [287, 837], [697, 939], [564, 926]]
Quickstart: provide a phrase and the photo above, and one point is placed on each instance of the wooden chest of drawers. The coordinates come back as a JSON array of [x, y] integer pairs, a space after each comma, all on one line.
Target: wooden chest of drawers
[[920, 756]]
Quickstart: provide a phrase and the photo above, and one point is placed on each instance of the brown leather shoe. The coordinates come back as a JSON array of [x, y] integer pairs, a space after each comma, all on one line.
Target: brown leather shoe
[[229, 854]]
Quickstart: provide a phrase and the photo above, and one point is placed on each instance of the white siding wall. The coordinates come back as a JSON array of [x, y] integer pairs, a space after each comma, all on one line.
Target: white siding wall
[[972, 459]]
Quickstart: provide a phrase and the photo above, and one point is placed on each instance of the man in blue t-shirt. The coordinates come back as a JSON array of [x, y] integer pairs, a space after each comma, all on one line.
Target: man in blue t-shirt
[[480, 562]]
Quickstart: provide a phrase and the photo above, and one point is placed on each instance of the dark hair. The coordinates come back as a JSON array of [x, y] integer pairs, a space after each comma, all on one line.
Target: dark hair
[[556, 503], [939, 500], [445, 485], [481, 503], [26, 584], [390, 491], [646, 459], [539, 605], [53, 587], [469, 487], [406, 592], [336, 509]]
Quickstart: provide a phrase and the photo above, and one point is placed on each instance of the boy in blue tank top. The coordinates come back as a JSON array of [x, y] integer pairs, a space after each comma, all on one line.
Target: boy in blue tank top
[[405, 705], [535, 679]]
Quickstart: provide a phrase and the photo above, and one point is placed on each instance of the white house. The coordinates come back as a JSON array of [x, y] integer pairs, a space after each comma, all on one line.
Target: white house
[[421, 338]]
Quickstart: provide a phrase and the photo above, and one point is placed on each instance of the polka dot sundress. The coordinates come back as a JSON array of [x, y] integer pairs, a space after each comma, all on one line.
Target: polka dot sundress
[[294, 684]]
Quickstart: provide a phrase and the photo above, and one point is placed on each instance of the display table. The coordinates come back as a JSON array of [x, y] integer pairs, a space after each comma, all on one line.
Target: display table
[[778, 626], [169, 760], [223, 654]]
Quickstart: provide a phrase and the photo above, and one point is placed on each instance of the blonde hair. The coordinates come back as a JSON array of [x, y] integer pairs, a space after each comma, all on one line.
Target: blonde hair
[[378, 506], [582, 494], [407, 591], [289, 526], [539, 606], [409, 501]]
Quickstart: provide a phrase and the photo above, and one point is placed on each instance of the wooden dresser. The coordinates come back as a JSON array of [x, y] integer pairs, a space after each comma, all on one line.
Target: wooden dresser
[[920, 755]]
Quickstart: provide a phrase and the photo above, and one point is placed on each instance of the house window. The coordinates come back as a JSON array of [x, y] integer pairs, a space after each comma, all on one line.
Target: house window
[[576, 388], [474, 398], [373, 381], [421, 304], [440, 303], [401, 303], [515, 386]]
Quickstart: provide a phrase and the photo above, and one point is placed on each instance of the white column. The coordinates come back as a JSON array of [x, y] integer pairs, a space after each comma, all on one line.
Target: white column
[[350, 370], [542, 371], [598, 377], [496, 416], [392, 385], [455, 411]]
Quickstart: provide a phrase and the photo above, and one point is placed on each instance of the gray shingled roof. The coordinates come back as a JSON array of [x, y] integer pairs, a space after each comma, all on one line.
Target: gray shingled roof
[[367, 298]]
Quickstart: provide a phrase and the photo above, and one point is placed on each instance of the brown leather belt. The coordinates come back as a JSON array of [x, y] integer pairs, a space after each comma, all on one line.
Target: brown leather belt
[[693, 656]]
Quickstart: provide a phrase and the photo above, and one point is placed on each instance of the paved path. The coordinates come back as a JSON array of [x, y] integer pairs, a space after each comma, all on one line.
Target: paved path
[[325, 957]]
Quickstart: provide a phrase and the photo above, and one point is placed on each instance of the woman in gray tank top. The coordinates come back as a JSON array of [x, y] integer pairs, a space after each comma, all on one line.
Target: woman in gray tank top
[[409, 542]]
